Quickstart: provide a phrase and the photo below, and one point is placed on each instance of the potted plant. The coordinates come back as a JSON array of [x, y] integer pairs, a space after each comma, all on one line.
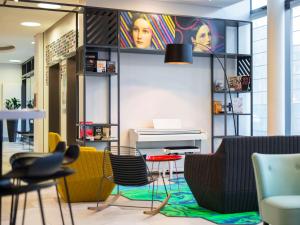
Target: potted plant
[[30, 105], [12, 125]]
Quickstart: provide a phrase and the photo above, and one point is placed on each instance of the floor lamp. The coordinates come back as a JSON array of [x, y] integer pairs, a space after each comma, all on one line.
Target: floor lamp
[[183, 54]]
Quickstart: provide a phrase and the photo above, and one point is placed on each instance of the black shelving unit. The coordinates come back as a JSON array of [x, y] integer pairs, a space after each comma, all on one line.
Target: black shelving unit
[[237, 61], [101, 31]]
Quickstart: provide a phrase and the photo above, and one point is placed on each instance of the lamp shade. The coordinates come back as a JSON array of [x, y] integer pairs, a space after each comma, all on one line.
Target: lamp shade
[[179, 54]]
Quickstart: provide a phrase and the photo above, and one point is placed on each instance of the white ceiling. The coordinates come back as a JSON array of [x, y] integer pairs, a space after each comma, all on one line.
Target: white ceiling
[[12, 33], [210, 3]]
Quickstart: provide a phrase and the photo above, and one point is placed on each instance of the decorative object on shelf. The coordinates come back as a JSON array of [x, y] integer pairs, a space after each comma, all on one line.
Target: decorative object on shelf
[[217, 107], [246, 83], [182, 54], [106, 132], [98, 132], [237, 104], [218, 85], [91, 59], [12, 125], [89, 132], [111, 67], [101, 66], [235, 83]]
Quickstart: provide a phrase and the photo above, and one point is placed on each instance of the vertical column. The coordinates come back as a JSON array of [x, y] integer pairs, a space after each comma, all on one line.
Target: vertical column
[[276, 68], [39, 131]]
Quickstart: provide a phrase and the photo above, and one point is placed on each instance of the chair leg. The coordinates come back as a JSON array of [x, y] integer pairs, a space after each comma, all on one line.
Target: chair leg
[[101, 188], [12, 203], [170, 175], [24, 209], [157, 210], [15, 211], [105, 204], [41, 206], [165, 186], [59, 205], [158, 167], [152, 195], [177, 175], [68, 199]]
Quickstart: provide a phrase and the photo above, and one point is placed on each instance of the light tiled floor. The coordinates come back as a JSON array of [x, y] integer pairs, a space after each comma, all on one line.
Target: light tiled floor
[[113, 215]]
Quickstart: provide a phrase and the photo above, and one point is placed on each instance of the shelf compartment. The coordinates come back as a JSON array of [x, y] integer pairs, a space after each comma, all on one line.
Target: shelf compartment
[[232, 92], [97, 74], [98, 141], [220, 136], [230, 114], [99, 124], [100, 46]]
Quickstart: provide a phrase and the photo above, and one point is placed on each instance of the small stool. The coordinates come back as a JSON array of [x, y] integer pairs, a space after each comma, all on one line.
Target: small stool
[[165, 158]]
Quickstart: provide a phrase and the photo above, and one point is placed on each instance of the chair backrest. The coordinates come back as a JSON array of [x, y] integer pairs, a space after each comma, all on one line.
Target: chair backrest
[[129, 170], [276, 174], [60, 147], [71, 154], [53, 140], [45, 166]]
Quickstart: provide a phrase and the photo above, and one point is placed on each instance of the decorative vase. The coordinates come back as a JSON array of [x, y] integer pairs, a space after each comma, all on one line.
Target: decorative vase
[[12, 126]]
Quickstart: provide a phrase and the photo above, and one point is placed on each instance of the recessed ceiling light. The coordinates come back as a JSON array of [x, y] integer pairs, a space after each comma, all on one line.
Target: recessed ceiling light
[[33, 42], [48, 6], [15, 61], [30, 24]]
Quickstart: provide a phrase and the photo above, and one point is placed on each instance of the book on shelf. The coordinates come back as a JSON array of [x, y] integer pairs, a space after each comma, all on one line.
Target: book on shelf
[[101, 66], [111, 67], [237, 104], [91, 59]]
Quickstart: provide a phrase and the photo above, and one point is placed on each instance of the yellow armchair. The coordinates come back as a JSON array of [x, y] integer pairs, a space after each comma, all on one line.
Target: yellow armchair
[[85, 184], [53, 139]]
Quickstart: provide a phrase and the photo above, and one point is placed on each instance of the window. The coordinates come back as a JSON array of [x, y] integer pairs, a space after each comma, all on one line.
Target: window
[[295, 71], [260, 76], [256, 4]]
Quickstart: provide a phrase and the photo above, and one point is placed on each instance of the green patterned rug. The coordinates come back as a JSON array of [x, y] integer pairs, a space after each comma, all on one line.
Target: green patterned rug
[[183, 204]]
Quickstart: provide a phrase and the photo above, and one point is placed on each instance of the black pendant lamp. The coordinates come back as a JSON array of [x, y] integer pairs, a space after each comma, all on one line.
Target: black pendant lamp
[[179, 54]]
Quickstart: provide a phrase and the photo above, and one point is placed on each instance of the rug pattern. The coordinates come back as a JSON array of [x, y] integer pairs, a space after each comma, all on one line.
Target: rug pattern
[[183, 204]]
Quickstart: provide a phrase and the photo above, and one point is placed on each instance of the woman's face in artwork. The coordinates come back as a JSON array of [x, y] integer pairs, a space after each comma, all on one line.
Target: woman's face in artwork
[[202, 41], [142, 33]]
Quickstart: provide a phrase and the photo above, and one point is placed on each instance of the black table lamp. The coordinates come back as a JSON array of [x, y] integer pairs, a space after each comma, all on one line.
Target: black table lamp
[[183, 54]]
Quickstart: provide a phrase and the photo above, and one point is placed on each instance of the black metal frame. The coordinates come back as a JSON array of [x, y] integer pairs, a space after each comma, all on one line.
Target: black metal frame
[[110, 178], [235, 116], [107, 75]]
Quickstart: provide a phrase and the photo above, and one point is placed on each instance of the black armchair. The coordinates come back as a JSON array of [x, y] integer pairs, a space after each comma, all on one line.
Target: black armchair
[[224, 181]]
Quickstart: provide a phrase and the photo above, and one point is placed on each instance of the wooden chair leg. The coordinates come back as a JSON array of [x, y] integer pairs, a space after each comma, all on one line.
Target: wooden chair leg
[[106, 204], [161, 206]]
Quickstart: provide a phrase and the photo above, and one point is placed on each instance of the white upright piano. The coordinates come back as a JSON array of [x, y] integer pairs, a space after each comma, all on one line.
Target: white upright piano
[[157, 139], [141, 135]]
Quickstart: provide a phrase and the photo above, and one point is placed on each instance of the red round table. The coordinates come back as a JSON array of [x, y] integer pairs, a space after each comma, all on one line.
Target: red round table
[[165, 158]]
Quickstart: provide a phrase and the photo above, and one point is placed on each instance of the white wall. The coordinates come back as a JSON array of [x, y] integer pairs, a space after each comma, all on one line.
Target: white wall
[[10, 85], [151, 89]]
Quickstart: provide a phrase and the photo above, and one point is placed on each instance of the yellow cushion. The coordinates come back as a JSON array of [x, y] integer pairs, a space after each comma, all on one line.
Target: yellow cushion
[[53, 139], [87, 184]]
